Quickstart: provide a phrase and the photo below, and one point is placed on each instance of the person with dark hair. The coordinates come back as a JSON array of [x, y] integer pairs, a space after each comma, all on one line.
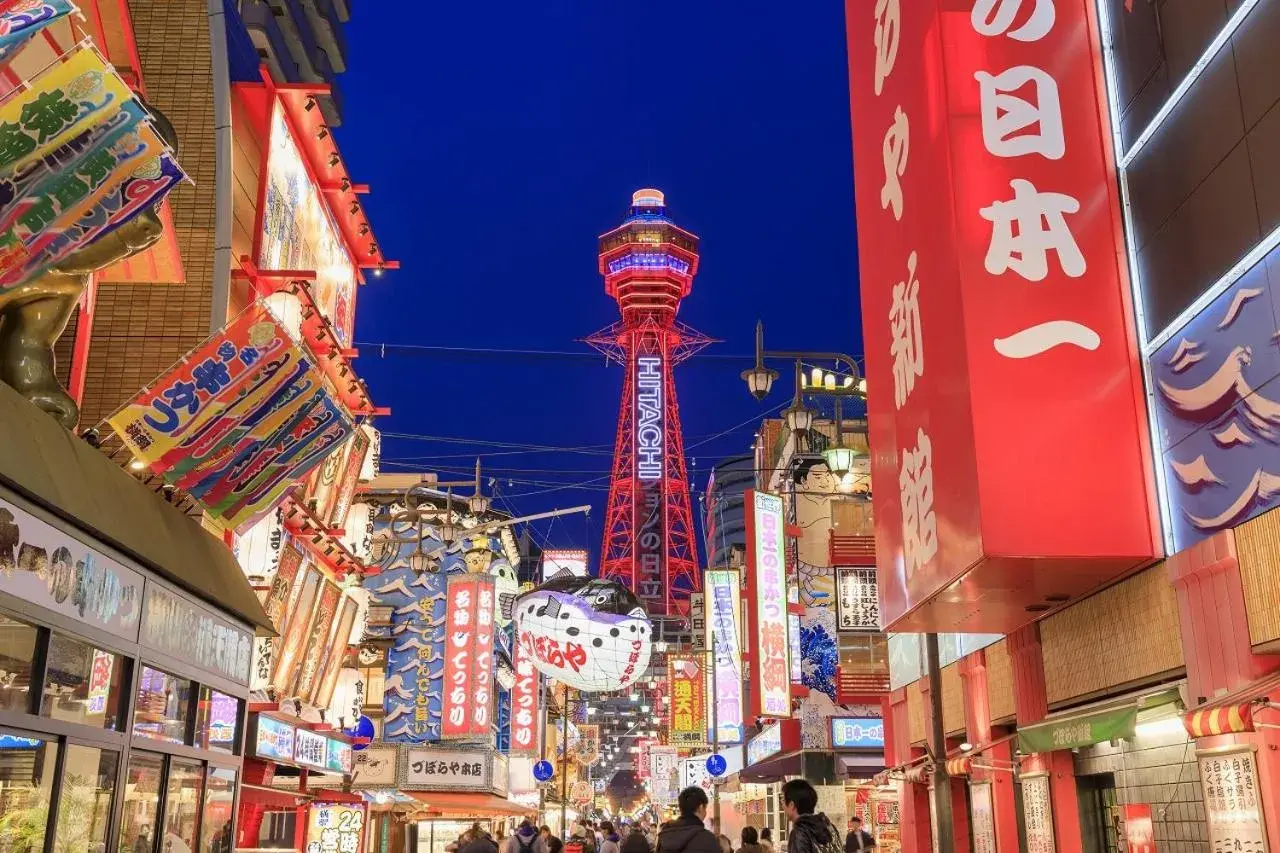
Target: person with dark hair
[[750, 841], [810, 833], [637, 840], [525, 840], [611, 838], [688, 833], [766, 839], [477, 841], [858, 840], [551, 843]]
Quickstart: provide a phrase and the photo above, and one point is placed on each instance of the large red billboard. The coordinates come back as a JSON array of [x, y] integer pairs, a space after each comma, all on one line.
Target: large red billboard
[[1007, 422], [467, 709]]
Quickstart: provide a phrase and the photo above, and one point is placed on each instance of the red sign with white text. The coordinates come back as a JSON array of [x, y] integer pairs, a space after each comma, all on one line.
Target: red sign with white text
[[467, 710], [1139, 830], [1007, 422], [525, 700]]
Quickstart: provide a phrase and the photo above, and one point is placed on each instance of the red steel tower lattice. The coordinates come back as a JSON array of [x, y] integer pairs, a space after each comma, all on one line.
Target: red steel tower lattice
[[648, 264]]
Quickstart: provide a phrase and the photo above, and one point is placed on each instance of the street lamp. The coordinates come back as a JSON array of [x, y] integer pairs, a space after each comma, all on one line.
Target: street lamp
[[839, 460], [759, 379]]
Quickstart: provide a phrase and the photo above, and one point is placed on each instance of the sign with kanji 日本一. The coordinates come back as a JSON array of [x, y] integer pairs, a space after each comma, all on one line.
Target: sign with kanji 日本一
[[767, 576], [687, 678], [996, 311]]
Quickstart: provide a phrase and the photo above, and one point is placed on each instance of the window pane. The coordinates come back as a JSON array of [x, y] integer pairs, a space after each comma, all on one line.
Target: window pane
[[182, 806], [162, 706], [83, 684], [84, 803], [141, 804], [216, 720], [17, 649], [215, 826], [26, 781]]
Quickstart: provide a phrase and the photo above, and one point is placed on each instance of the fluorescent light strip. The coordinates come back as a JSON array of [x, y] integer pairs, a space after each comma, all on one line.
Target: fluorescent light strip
[[1223, 36], [1251, 259], [1135, 278]]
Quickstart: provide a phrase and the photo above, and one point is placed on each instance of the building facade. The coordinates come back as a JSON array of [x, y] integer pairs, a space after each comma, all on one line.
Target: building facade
[[723, 518]]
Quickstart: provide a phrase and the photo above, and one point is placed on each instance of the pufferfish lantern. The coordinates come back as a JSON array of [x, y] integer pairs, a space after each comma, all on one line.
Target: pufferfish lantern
[[588, 633]]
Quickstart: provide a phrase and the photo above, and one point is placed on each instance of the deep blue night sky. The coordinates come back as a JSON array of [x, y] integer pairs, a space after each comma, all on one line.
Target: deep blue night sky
[[501, 139]]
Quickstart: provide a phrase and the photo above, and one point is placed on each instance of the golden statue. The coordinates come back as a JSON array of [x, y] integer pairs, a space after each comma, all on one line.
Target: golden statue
[[34, 314]]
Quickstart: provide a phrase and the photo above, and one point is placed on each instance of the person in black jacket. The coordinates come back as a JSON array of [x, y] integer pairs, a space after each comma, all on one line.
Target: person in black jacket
[[637, 841], [810, 833], [479, 842], [688, 833]]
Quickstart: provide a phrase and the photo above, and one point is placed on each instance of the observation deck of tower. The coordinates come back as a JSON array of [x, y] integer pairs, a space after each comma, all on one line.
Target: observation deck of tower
[[648, 264]]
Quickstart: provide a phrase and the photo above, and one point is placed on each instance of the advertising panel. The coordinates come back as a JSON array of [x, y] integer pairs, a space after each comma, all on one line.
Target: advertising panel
[[1006, 272], [289, 645], [724, 622], [274, 740], [857, 600], [767, 579], [468, 661], [1139, 830], [434, 769], [982, 814], [317, 645], [1037, 806], [310, 749], [765, 744], [687, 678], [1232, 801], [335, 828], [50, 569], [555, 562], [664, 763], [375, 767], [300, 233], [525, 703], [335, 651], [185, 630], [857, 733]]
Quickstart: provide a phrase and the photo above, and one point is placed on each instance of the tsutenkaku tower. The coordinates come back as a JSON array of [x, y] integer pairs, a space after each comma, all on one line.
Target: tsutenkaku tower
[[648, 264]]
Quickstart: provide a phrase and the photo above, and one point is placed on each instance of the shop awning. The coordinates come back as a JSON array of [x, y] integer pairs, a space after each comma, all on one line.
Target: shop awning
[[48, 465], [1232, 713], [463, 805], [1116, 721]]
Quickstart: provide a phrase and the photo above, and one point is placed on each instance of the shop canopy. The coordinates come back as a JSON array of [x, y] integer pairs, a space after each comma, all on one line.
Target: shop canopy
[[468, 805], [1232, 713], [1114, 721], [65, 475]]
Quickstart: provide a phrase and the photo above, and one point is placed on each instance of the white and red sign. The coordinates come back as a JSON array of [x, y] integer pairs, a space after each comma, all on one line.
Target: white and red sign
[[467, 710], [525, 698], [767, 579], [996, 310]]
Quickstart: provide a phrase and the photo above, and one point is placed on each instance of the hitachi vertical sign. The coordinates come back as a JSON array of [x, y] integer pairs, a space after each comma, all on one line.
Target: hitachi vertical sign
[[1009, 429], [649, 432]]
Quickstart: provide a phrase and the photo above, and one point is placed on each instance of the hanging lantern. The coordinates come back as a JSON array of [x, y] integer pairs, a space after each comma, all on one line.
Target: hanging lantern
[[591, 634]]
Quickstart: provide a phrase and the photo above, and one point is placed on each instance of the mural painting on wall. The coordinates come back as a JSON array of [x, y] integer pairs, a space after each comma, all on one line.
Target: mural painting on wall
[[811, 509], [1218, 411], [415, 662]]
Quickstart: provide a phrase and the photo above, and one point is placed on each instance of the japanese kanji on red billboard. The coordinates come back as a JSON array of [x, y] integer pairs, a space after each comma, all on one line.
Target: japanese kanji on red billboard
[[467, 710], [525, 702], [1006, 416], [687, 678], [767, 605]]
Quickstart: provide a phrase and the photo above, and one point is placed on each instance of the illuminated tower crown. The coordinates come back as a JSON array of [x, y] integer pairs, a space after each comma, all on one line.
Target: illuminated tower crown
[[648, 264]]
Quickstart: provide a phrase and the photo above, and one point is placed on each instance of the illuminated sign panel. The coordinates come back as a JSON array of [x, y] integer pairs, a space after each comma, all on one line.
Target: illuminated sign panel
[[468, 658], [995, 308], [335, 828], [857, 733], [724, 616], [765, 744], [687, 677], [767, 576], [649, 411], [525, 702], [274, 740], [650, 525], [555, 562]]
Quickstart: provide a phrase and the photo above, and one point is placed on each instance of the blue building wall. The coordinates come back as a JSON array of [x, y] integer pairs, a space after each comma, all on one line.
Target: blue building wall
[[724, 517]]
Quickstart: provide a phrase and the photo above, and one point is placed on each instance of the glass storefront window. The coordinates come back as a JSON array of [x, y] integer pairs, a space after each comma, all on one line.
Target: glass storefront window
[[27, 768], [217, 721], [83, 684], [17, 650], [141, 804], [182, 806], [163, 706], [84, 803], [215, 825]]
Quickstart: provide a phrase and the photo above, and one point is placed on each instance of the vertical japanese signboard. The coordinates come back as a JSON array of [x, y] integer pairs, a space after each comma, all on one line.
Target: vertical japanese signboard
[[335, 828], [650, 497], [1139, 828], [525, 699], [983, 817], [995, 308], [468, 658], [857, 600], [1037, 808], [767, 576], [686, 677], [724, 616], [1232, 802]]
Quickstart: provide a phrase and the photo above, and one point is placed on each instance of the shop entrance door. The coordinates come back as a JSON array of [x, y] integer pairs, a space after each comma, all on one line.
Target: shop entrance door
[[1097, 794]]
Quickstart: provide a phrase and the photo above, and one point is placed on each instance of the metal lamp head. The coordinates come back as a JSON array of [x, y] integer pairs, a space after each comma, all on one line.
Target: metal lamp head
[[421, 563], [799, 418], [759, 380], [478, 504], [839, 460]]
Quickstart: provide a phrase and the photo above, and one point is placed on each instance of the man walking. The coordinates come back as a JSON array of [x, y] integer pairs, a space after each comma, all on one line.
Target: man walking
[[810, 833], [858, 840], [688, 833]]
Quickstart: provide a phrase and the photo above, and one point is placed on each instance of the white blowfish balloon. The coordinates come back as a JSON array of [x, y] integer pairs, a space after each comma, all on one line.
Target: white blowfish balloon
[[588, 633]]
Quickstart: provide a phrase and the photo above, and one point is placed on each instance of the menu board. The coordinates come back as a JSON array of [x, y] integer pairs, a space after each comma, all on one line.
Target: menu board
[[857, 600], [1233, 808], [274, 740], [310, 749], [1037, 810], [983, 818]]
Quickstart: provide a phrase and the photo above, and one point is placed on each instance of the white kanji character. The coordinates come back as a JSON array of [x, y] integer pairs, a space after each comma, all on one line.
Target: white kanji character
[[906, 347], [1041, 226], [915, 485], [897, 145], [888, 27], [1012, 125], [996, 17]]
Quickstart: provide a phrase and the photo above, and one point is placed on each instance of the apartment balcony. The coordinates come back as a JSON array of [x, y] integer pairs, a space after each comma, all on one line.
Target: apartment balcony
[[269, 39], [327, 23]]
